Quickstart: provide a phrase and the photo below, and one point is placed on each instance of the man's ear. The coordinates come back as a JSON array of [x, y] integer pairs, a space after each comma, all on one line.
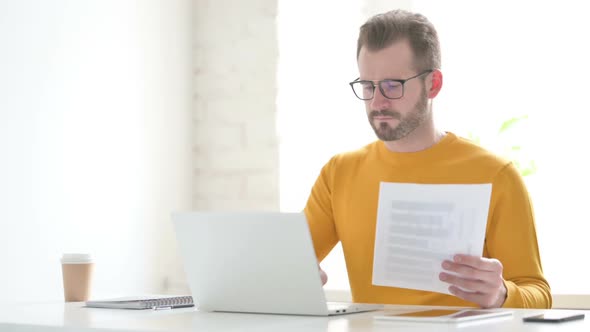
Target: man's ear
[[436, 83]]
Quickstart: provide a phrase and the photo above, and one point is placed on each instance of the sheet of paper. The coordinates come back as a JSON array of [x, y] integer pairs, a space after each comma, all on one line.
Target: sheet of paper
[[420, 225]]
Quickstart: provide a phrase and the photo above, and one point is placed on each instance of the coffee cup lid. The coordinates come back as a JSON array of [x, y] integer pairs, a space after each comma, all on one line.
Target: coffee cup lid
[[76, 258]]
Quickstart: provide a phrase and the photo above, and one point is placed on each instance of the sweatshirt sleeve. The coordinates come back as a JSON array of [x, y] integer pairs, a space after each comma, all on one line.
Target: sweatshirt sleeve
[[511, 238], [319, 214]]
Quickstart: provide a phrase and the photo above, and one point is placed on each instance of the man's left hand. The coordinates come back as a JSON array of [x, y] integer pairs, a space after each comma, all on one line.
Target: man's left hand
[[479, 280]]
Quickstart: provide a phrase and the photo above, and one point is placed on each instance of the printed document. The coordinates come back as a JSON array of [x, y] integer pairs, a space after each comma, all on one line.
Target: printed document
[[421, 225]]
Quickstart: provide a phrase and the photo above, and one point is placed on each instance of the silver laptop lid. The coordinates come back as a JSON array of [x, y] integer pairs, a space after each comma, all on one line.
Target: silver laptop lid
[[260, 262]]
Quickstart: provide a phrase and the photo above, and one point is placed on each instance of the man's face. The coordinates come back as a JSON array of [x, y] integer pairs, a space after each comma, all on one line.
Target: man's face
[[394, 119]]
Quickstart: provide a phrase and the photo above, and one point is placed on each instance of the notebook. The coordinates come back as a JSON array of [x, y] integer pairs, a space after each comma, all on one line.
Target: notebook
[[144, 302], [255, 262]]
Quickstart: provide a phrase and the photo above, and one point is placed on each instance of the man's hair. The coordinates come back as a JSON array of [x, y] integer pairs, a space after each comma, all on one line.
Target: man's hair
[[383, 30]]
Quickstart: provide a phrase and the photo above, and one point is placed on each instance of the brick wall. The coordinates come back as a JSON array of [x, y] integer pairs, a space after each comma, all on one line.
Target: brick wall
[[235, 142]]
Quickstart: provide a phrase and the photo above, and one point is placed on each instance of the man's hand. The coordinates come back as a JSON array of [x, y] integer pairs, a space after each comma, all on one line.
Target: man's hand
[[479, 280], [323, 275]]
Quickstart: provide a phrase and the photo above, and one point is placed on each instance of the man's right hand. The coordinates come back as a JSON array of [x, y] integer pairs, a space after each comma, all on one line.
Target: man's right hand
[[323, 275]]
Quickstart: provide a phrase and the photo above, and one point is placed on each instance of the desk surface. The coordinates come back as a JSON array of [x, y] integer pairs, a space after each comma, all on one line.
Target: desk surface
[[75, 317]]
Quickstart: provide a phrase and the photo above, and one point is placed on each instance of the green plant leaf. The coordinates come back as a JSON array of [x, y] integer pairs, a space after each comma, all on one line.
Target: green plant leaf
[[512, 151], [510, 123], [474, 138]]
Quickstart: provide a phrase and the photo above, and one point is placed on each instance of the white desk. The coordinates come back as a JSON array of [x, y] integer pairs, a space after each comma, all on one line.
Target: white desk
[[74, 317]]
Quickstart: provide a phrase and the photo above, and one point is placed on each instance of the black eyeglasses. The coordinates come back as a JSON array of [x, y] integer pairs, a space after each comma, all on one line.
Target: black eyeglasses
[[390, 88]]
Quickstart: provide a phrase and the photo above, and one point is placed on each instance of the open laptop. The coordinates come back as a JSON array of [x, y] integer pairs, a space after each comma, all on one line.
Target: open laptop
[[255, 262]]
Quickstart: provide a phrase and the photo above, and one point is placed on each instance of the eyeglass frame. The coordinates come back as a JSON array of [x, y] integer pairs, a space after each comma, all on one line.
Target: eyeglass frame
[[378, 83]]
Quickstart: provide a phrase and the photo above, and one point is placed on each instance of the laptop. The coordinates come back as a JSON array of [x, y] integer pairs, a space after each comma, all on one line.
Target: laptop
[[254, 262]]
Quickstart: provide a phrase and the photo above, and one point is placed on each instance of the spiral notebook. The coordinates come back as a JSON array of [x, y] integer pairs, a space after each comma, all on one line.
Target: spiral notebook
[[144, 302]]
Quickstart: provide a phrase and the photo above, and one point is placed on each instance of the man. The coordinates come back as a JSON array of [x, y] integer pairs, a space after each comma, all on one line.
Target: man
[[398, 57]]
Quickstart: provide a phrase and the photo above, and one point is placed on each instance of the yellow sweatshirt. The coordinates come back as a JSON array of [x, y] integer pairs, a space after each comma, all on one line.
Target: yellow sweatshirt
[[342, 207]]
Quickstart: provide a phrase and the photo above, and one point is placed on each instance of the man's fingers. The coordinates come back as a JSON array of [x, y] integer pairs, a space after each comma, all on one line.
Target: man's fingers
[[464, 270], [480, 263], [472, 285], [323, 276], [475, 279], [468, 272]]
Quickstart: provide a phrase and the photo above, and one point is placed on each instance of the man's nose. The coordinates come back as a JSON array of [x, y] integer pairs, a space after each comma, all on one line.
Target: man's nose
[[379, 101]]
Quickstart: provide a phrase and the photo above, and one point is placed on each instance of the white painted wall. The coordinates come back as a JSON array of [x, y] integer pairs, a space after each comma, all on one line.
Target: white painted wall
[[115, 113], [235, 144], [95, 99]]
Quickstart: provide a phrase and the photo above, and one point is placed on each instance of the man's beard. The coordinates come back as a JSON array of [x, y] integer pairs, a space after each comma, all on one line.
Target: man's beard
[[406, 124]]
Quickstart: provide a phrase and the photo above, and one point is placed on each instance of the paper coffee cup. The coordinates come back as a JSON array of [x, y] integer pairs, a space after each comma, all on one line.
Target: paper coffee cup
[[77, 276], [76, 259]]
